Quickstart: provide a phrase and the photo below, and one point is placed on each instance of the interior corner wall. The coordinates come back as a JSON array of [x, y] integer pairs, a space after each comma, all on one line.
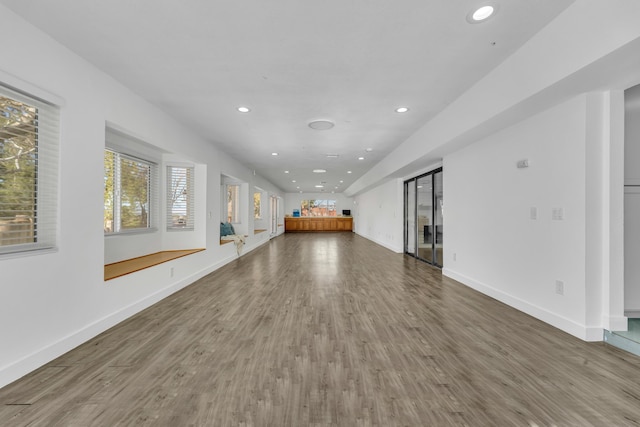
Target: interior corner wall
[[494, 244], [379, 215]]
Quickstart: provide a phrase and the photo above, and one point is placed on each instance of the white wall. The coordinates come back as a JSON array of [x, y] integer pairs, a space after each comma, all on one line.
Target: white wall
[[632, 202], [499, 249], [380, 215], [51, 309]]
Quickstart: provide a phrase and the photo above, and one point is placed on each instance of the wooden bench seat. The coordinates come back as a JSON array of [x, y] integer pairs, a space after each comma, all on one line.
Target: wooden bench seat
[[120, 268]]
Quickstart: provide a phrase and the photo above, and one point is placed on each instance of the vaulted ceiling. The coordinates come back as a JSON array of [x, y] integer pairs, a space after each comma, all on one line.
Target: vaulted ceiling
[[292, 62]]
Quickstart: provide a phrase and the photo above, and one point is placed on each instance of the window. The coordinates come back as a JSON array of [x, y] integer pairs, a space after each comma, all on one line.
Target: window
[[180, 197], [318, 208], [257, 212], [28, 172], [233, 203], [128, 193]]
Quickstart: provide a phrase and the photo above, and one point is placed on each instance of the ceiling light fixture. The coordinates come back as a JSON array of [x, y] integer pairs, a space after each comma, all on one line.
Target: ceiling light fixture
[[319, 186], [482, 13], [360, 158], [368, 150], [293, 180], [348, 171], [244, 109], [341, 181], [319, 170], [321, 125], [286, 171], [332, 156], [402, 109], [274, 154]]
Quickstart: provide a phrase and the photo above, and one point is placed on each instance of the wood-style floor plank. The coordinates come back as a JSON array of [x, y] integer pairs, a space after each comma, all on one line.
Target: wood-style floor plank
[[329, 330]]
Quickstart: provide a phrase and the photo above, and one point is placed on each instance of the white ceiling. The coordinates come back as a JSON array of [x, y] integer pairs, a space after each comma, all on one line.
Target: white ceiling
[[294, 61]]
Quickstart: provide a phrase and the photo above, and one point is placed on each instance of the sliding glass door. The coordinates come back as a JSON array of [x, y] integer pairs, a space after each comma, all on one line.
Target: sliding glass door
[[410, 241], [423, 217]]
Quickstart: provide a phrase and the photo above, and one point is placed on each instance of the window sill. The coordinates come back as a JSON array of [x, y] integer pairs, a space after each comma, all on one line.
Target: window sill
[[127, 266]]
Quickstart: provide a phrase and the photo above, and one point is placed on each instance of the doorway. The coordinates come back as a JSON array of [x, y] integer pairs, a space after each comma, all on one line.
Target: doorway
[[423, 214]]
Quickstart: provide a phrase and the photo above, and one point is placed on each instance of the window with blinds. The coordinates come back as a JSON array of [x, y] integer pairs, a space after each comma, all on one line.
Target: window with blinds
[[129, 189], [233, 203], [180, 198], [29, 135]]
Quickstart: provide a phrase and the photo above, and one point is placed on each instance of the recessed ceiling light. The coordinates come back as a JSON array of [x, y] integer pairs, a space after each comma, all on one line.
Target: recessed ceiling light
[[360, 158], [293, 180], [319, 186], [368, 150], [482, 13], [244, 109], [298, 187], [274, 154], [286, 171], [321, 125], [319, 170], [348, 171], [332, 156], [402, 109], [341, 181]]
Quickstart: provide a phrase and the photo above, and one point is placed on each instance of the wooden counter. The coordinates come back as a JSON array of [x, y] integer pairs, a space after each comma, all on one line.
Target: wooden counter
[[311, 223]]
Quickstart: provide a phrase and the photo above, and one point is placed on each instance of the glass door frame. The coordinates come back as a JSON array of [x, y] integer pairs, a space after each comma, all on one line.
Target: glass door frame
[[434, 241]]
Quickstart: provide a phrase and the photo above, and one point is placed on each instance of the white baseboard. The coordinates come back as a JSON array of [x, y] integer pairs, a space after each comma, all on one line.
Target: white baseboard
[[583, 332], [33, 361], [392, 248]]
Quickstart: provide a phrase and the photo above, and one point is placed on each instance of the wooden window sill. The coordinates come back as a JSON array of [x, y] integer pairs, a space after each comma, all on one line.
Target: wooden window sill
[[127, 266]]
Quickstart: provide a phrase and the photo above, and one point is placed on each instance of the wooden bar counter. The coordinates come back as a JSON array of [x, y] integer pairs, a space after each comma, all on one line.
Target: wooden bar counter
[[317, 223]]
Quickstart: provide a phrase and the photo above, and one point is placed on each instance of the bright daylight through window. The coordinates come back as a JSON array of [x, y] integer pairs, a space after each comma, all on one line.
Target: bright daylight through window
[[28, 173], [233, 203], [318, 208], [180, 207], [127, 193]]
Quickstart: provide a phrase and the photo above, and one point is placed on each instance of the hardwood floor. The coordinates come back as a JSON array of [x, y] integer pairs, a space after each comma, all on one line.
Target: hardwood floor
[[329, 330]]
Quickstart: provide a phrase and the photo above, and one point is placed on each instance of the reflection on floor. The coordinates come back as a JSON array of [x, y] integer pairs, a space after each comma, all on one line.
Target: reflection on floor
[[427, 254], [628, 340]]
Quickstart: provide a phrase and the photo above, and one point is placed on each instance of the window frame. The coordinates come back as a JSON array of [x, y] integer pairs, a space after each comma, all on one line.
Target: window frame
[[152, 188], [259, 205], [232, 211], [45, 157], [309, 204], [190, 197]]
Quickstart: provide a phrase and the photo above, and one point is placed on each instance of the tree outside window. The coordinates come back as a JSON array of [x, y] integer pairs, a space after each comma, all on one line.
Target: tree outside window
[[127, 192], [257, 212], [18, 172], [318, 207]]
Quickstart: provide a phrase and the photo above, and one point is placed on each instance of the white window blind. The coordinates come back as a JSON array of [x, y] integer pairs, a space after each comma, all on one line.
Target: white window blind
[[130, 195], [257, 205], [29, 138], [180, 198], [233, 203]]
